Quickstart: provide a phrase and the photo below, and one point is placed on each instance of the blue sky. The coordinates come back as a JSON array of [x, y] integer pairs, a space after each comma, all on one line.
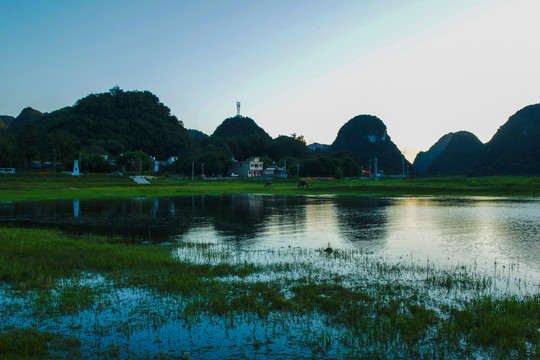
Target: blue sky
[[424, 67]]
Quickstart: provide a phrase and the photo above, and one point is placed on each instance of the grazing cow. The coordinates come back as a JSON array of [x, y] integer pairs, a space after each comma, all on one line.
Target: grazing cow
[[302, 184], [268, 183]]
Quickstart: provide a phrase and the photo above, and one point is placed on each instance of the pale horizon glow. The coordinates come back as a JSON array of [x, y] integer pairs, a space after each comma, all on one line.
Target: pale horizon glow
[[424, 68]]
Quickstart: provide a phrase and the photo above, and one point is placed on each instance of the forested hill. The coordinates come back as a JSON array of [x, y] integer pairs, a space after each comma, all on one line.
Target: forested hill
[[462, 147], [27, 116], [450, 154], [365, 137], [424, 158], [239, 126], [514, 149], [112, 122]]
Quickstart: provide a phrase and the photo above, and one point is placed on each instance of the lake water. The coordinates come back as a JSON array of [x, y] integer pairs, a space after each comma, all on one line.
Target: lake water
[[488, 231]]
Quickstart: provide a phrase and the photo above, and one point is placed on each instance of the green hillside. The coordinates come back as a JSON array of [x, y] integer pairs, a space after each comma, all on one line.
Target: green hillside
[[107, 123]]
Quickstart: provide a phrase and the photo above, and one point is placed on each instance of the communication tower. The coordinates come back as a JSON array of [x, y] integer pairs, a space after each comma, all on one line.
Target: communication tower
[[238, 108]]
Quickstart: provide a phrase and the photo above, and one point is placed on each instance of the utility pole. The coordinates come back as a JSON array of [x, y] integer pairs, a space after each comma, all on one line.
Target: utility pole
[[192, 170]]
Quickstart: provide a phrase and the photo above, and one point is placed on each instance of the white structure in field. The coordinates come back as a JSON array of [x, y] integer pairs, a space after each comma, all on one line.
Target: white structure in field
[[76, 168]]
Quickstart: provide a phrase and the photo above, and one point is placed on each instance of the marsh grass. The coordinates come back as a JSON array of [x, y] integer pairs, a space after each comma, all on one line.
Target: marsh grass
[[345, 304], [68, 300], [36, 259], [34, 344]]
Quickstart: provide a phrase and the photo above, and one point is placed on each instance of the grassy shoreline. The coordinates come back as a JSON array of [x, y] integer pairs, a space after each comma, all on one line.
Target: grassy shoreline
[[344, 304], [39, 186]]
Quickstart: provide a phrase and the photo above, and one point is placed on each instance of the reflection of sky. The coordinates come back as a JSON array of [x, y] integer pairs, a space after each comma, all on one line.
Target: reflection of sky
[[444, 230], [464, 230], [320, 224]]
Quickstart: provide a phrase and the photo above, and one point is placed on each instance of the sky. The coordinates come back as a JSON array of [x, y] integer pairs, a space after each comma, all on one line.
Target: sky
[[425, 68]]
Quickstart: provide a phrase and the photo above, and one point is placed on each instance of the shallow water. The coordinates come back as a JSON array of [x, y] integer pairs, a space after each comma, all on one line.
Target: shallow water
[[491, 232]]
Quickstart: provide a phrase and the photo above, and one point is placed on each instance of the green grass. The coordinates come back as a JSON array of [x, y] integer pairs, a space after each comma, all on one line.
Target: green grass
[[43, 186], [37, 259], [507, 324]]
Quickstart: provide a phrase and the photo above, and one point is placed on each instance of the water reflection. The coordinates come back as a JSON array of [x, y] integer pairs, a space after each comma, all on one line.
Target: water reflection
[[363, 221], [76, 206], [458, 229], [137, 218]]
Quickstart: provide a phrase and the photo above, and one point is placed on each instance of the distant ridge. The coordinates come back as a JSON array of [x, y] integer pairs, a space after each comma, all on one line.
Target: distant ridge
[[316, 146], [198, 134], [26, 117], [424, 158], [450, 154], [6, 120], [462, 147]]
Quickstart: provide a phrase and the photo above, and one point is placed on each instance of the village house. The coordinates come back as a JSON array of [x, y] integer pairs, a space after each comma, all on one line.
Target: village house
[[275, 172], [252, 167], [162, 164]]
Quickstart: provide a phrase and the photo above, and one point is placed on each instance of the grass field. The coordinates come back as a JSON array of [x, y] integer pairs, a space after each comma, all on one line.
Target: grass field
[[42, 186]]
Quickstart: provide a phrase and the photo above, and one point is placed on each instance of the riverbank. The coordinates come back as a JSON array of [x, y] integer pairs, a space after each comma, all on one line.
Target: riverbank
[[95, 297], [42, 186]]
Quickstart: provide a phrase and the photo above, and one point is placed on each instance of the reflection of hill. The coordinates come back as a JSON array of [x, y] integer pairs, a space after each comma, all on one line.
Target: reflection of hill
[[363, 221], [244, 217], [235, 217], [136, 219]]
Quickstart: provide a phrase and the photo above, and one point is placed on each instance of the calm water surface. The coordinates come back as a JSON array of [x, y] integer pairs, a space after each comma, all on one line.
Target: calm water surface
[[456, 230]]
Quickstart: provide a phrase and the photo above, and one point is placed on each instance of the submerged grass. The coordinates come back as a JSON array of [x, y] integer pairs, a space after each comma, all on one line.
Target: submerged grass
[[344, 304], [43, 186], [510, 325], [34, 344]]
